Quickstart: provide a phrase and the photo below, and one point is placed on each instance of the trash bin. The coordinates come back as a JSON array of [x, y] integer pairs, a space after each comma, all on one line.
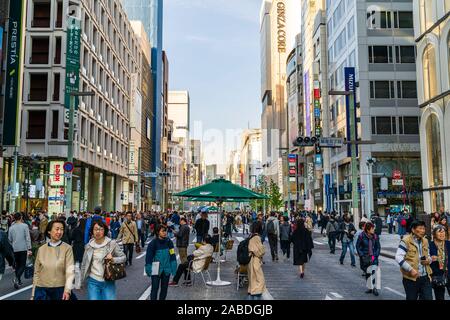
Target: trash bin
[[427, 218]]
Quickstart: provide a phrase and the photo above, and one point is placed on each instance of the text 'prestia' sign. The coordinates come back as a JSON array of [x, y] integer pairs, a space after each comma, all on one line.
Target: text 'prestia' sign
[[281, 24]]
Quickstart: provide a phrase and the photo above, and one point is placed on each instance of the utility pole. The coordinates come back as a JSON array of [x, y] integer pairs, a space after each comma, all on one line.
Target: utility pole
[[139, 179], [354, 146]]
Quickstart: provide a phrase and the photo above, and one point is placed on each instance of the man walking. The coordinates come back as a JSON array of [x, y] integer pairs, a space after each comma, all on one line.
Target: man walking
[[378, 223], [413, 257], [202, 227], [273, 232], [332, 231], [182, 236], [348, 231], [129, 235], [19, 237], [140, 223], [6, 252]]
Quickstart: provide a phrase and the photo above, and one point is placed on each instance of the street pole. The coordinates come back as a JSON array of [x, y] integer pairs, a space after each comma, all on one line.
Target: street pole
[[369, 189], [68, 206], [354, 146], [139, 179], [14, 182]]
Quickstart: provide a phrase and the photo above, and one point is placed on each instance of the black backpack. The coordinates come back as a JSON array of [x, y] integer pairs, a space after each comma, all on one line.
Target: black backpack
[[243, 255], [271, 227]]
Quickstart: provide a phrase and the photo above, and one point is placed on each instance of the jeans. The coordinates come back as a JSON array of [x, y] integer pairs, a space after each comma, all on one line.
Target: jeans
[[128, 250], [255, 297], [20, 259], [98, 290], [286, 247], [51, 294], [141, 236], [244, 228], [390, 228], [332, 241], [419, 289], [348, 244], [163, 280], [273, 242]]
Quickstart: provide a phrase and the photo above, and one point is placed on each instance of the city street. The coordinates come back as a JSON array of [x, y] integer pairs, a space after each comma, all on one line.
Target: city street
[[325, 279]]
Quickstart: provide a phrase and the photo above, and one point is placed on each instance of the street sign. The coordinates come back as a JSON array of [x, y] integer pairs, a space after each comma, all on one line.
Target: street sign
[[68, 166], [381, 201], [397, 182], [329, 142], [150, 174], [397, 174]]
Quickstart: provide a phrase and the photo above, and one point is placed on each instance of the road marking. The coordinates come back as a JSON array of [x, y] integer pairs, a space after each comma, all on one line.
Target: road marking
[[146, 294], [240, 239], [396, 292], [15, 292], [337, 295], [320, 243], [267, 296], [327, 297], [140, 256]]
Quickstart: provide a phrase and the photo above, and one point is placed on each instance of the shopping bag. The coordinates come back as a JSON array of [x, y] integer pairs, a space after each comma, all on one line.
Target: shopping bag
[[29, 268]]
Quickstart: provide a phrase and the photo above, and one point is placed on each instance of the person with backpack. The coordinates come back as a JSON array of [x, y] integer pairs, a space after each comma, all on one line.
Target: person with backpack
[[273, 231], [20, 240], [129, 235], [303, 245], [369, 248], [332, 231], [256, 251], [401, 220], [285, 237], [347, 232], [378, 223]]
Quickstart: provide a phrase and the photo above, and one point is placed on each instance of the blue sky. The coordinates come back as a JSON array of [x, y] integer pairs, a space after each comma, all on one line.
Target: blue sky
[[213, 52]]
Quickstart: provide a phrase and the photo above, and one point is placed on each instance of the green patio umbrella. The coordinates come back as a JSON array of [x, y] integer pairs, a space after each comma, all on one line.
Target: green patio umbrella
[[219, 191], [196, 199]]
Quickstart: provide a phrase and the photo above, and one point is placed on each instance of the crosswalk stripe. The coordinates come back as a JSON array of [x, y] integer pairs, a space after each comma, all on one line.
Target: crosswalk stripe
[[240, 239], [395, 291], [319, 243], [337, 295], [15, 292], [140, 256], [146, 294]]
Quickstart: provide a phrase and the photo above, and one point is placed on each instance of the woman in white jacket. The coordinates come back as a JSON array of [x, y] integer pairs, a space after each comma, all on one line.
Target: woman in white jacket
[[199, 257]]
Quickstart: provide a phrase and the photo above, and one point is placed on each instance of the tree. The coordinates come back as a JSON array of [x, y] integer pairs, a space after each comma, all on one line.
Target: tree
[[276, 198], [262, 188]]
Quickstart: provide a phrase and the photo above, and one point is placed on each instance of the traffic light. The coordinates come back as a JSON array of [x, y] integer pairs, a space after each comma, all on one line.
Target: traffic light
[[306, 141], [164, 174]]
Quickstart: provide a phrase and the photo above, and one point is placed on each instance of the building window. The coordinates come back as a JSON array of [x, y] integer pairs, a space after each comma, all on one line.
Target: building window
[[380, 54], [407, 89], [39, 50], [41, 14], [403, 20], [405, 54], [55, 124], [429, 72], [38, 87], [56, 86], [379, 20], [36, 124], [382, 90], [383, 125], [434, 151], [408, 125], [57, 59], [59, 15]]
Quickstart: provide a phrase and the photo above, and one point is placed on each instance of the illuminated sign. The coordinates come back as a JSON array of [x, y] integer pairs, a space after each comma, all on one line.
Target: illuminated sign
[[56, 173]]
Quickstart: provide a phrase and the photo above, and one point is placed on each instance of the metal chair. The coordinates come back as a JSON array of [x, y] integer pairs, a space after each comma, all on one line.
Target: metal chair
[[204, 272]]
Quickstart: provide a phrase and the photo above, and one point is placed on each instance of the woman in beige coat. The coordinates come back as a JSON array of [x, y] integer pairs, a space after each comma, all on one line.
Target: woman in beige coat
[[256, 281]]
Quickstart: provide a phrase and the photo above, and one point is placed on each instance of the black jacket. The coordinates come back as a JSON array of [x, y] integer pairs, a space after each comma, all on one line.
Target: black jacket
[[6, 252], [183, 236], [378, 225], [351, 228], [202, 227]]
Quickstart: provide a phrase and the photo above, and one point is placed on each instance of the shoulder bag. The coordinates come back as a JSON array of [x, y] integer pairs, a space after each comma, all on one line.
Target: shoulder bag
[[441, 280], [114, 271], [138, 247]]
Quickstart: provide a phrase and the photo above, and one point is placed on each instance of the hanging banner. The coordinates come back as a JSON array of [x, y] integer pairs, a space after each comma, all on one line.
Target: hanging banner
[[350, 86], [14, 73], [56, 178], [72, 59]]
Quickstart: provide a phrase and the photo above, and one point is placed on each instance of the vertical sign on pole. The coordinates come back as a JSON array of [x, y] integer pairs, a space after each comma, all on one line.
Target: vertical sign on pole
[[14, 74], [350, 86], [72, 61]]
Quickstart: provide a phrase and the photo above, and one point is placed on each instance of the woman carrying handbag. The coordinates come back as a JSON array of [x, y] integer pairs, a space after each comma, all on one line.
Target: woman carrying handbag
[[368, 248], [439, 249], [103, 263]]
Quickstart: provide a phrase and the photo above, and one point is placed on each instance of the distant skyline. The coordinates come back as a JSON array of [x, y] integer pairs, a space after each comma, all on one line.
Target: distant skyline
[[213, 52]]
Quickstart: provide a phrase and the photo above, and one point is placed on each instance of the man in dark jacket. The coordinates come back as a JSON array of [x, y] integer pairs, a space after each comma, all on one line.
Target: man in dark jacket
[[376, 220], [202, 227], [6, 252], [183, 239]]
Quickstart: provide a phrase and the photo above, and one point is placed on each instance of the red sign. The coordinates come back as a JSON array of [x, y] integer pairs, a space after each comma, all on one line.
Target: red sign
[[292, 171], [396, 174], [316, 93]]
